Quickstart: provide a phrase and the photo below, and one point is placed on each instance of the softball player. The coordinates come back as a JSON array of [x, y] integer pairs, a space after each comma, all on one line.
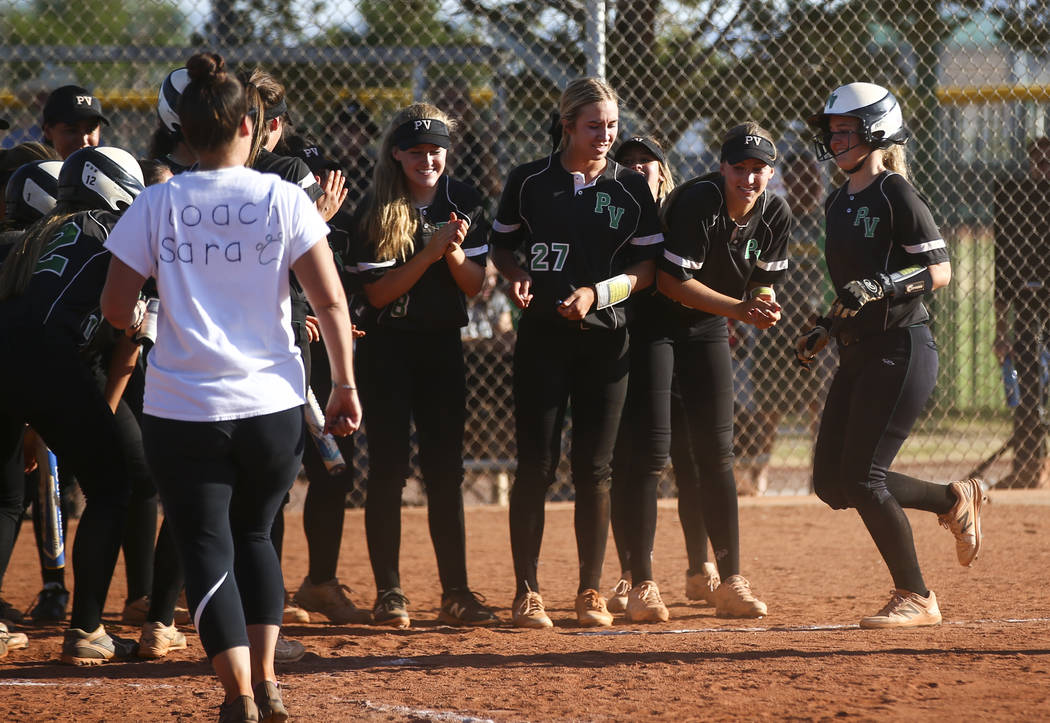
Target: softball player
[[883, 252], [50, 309], [727, 243], [167, 145], [223, 424], [588, 230], [644, 439], [419, 244], [30, 193]]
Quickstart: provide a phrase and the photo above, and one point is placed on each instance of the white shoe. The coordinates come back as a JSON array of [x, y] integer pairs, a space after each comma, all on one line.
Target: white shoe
[[617, 600], [734, 599], [905, 610], [964, 519], [644, 604], [702, 585]]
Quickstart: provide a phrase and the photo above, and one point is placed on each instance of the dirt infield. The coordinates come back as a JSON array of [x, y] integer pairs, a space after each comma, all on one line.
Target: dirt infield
[[817, 570]]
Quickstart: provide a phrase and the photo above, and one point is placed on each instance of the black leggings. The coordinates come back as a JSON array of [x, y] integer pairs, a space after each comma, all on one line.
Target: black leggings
[[418, 376], [878, 392], [53, 390], [642, 448], [222, 484], [705, 379], [687, 479], [553, 366], [324, 509]]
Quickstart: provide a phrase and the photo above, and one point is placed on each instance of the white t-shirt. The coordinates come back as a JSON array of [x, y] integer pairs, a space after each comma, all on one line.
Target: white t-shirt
[[219, 244]]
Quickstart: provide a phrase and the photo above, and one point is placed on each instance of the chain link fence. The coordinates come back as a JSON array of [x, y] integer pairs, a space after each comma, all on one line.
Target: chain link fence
[[973, 78]]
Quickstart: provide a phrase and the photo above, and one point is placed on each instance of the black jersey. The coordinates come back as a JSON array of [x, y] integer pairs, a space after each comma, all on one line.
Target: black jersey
[[294, 170], [1022, 240], [435, 301], [884, 228], [64, 292], [705, 244], [576, 234]]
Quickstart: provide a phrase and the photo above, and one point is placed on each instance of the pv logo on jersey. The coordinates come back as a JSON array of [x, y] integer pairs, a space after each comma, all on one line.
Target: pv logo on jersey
[[603, 202], [870, 222]]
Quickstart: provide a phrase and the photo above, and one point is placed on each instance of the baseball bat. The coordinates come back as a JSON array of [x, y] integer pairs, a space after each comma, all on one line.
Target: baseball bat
[[50, 500]]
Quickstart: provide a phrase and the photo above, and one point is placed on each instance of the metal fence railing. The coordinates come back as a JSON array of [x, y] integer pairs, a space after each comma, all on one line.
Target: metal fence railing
[[973, 78]]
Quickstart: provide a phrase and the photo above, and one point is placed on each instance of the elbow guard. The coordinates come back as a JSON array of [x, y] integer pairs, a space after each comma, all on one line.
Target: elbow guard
[[912, 281], [612, 291]]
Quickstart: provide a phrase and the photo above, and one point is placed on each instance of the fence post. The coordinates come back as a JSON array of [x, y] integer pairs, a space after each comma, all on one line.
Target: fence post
[[594, 34]]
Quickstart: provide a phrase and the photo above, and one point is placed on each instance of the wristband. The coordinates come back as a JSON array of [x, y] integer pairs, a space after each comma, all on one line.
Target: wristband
[[612, 291], [344, 386], [763, 291], [912, 281]]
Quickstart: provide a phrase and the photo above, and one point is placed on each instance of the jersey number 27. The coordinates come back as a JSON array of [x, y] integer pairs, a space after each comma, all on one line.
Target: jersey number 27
[[540, 252]]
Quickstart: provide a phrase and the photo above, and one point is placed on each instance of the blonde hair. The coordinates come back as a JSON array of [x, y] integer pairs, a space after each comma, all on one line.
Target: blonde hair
[[895, 159], [579, 93], [20, 265], [389, 220]]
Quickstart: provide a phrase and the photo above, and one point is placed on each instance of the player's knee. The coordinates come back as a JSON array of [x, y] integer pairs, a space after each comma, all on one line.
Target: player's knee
[[866, 493]]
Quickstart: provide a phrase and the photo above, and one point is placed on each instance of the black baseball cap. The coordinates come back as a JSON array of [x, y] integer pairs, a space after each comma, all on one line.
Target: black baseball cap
[[742, 147], [72, 104], [315, 158], [419, 131], [354, 112], [645, 142]]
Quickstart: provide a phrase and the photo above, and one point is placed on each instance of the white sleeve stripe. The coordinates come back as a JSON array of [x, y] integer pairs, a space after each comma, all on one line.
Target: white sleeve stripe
[[504, 228], [647, 240], [679, 261], [366, 266], [476, 251], [928, 246], [307, 180], [772, 265]]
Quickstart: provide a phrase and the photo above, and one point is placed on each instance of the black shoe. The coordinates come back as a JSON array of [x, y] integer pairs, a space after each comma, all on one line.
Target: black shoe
[[9, 612], [465, 607], [391, 608], [50, 604]]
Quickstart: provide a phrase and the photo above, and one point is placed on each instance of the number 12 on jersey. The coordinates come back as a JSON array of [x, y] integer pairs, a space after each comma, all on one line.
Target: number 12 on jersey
[[540, 253]]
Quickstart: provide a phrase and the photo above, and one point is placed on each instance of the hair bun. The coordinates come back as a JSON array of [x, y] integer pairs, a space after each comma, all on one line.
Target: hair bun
[[206, 68]]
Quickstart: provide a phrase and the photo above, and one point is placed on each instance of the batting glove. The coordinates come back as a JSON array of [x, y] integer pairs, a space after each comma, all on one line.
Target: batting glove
[[810, 343], [855, 294]]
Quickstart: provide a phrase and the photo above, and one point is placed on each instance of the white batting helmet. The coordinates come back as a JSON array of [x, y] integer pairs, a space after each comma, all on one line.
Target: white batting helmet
[[168, 98], [881, 121]]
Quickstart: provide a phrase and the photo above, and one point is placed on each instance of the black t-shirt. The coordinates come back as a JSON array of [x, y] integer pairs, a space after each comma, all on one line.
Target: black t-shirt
[[703, 243], [64, 292], [1022, 239], [435, 302], [575, 234], [884, 228]]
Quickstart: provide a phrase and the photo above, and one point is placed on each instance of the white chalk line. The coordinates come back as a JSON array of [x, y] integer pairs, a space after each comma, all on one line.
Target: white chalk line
[[795, 628], [424, 714]]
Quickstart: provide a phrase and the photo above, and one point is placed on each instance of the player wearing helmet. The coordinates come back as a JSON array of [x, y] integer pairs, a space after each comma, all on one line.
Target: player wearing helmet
[[884, 253], [49, 307], [167, 145]]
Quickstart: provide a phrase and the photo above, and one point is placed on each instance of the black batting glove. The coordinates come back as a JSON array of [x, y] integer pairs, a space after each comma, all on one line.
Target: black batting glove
[[812, 340], [855, 294]]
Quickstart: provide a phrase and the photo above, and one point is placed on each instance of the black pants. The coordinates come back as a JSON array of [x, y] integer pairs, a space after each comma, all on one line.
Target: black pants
[[705, 379], [879, 390], [406, 376], [642, 448], [221, 484], [324, 509], [50, 387], [1029, 423], [687, 479], [553, 366]]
